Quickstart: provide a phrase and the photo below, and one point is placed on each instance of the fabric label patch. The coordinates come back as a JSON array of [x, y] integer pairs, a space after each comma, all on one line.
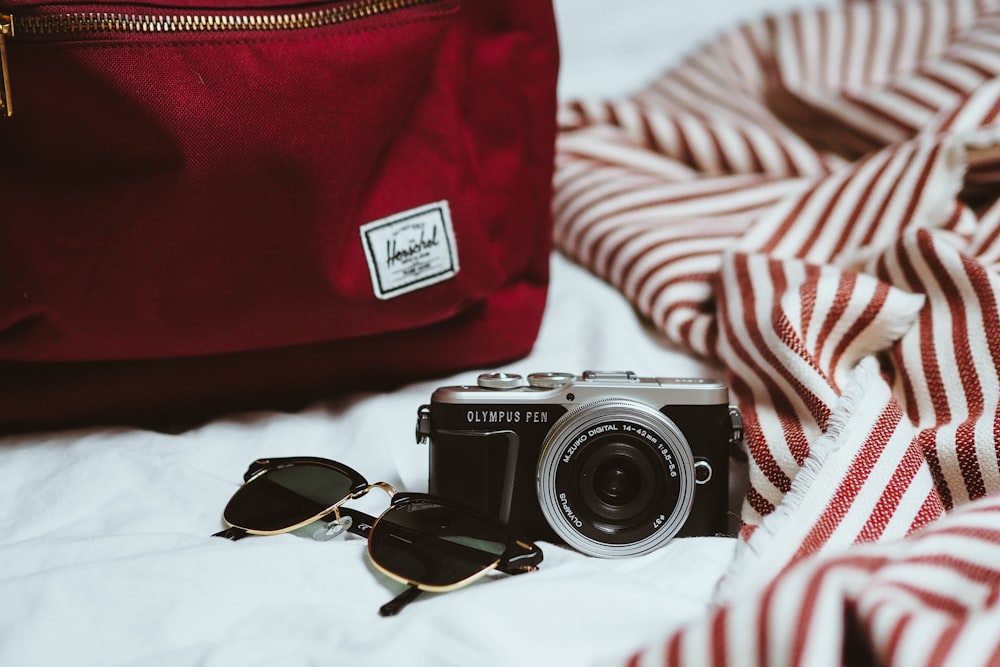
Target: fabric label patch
[[410, 250]]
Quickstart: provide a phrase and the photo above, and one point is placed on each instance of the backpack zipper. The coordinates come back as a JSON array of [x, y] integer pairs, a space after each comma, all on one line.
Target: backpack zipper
[[122, 22], [6, 30]]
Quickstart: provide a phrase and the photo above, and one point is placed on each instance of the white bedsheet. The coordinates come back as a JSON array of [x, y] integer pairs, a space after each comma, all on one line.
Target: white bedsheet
[[105, 554]]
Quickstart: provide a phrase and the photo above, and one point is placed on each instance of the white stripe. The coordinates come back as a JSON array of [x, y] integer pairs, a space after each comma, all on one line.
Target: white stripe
[[742, 637], [835, 36], [969, 647], [931, 93], [594, 146], [941, 581], [898, 107], [921, 634], [812, 43], [699, 326], [976, 55], [669, 255], [875, 485], [737, 365], [975, 108], [880, 186], [785, 47], [879, 61], [911, 501], [957, 74], [908, 35], [657, 232]]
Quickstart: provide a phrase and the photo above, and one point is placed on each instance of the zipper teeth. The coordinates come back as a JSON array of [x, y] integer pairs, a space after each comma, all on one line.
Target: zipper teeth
[[81, 22]]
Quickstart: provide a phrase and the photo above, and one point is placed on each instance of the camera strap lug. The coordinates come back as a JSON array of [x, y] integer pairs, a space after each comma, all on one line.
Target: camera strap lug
[[424, 425], [736, 437]]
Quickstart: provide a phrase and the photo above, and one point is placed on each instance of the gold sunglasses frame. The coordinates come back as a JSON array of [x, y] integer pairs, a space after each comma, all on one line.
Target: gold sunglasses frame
[[363, 525]]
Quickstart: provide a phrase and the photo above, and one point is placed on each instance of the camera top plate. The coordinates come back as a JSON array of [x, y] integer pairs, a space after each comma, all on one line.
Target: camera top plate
[[569, 389]]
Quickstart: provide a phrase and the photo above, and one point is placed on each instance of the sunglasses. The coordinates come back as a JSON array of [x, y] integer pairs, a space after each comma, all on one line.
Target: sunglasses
[[429, 543]]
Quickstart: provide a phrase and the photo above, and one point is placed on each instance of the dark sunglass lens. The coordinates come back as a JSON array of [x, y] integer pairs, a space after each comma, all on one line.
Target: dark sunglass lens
[[435, 544], [284, 497]]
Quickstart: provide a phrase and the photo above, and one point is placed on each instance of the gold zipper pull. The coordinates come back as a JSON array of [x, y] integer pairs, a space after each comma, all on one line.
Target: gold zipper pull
[[6, 30]]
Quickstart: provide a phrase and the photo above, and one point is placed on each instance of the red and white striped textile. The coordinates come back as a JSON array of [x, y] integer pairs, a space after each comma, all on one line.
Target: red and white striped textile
[[812, 202]]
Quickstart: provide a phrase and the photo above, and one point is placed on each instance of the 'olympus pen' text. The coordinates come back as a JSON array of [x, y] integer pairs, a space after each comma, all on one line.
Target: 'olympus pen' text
[[507, 417]]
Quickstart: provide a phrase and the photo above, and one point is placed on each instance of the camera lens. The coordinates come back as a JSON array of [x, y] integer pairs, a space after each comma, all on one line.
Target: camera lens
[[615, 478]]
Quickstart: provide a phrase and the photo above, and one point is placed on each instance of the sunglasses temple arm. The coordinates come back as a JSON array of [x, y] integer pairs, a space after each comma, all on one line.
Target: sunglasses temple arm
[[394, 606], [232, 533]]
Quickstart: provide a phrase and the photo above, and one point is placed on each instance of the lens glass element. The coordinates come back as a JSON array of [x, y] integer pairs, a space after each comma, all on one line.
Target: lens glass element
[[616, 481], [285, 497], [434, 543]]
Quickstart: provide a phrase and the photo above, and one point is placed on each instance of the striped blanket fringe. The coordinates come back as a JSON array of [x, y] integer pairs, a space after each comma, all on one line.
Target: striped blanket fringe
[[812, 202]]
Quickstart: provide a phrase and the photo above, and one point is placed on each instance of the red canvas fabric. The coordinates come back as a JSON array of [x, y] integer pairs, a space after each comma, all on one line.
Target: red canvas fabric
[[811, 202], [180, 227]]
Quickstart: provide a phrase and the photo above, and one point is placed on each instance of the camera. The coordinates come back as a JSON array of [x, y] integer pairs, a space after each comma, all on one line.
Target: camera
[[609, 463]]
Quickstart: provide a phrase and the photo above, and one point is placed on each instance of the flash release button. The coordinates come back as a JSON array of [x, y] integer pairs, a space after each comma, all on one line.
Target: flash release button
[[550, 380]]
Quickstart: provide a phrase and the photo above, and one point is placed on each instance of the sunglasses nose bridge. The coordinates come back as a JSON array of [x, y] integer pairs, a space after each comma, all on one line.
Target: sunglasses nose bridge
[[341, 523], [385, 486]]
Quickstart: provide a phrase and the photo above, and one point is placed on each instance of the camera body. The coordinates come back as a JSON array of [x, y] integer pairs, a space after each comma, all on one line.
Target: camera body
[[609, 463]]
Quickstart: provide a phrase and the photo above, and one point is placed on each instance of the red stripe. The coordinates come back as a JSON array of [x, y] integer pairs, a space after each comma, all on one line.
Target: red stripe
[[911, 95], [860, 469], [986, 299], [992, 115], [944, 83], [790, 340], [701, 277], [920, 189], [753, 497], [863, 200], [880, 114], [932, 600], [976, 572], [863, 321], [848, 282], [932, 374], [823, 220], [719, 646], [756, 444], [970, 379], [635, 237], [898, 366], [895, 636], [927, 440], [807, 602], [764, 626], [798, 443], [673, 653], [906, 471], [658, 198], [931, 510], [904, 153]]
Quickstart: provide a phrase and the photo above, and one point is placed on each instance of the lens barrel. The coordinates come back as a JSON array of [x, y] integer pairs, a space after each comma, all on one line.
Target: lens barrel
[[615, 478]]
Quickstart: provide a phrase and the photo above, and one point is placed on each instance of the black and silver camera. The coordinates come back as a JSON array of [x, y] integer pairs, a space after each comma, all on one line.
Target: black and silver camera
[[612, 464]]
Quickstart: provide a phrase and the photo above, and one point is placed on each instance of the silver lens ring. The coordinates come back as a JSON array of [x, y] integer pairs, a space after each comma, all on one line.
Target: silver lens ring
[[599, 423]]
